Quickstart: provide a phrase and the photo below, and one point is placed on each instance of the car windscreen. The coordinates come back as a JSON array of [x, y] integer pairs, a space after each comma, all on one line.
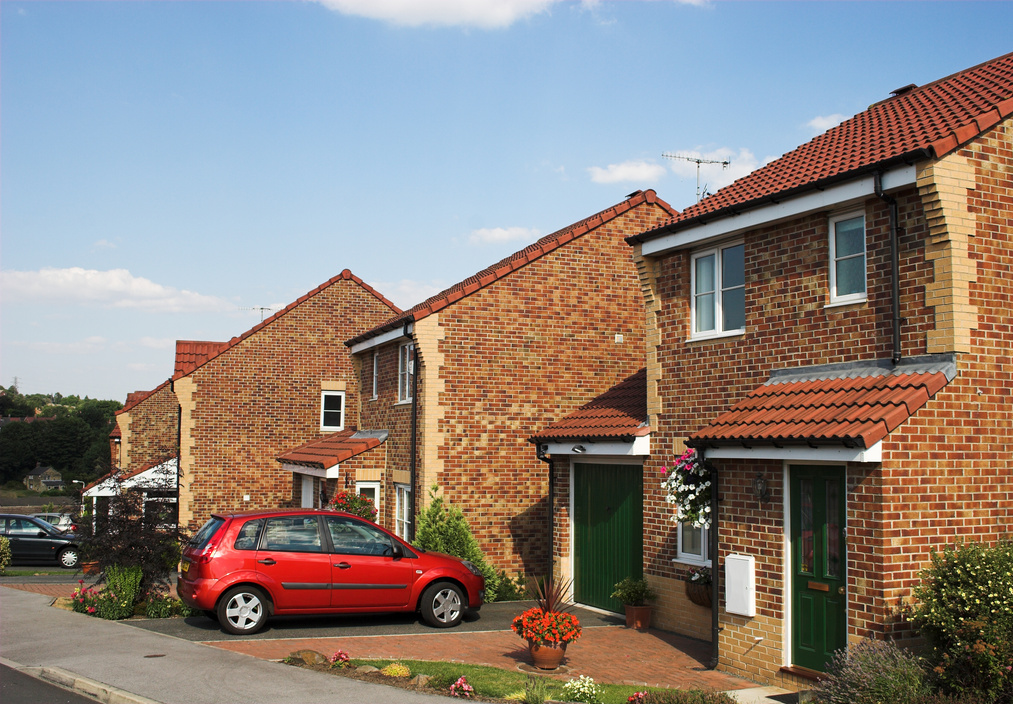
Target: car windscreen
[[206, 532]]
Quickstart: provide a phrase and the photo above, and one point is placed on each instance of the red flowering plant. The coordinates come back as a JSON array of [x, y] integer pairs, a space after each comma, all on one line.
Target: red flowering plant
[[355, 504], [546, 623]]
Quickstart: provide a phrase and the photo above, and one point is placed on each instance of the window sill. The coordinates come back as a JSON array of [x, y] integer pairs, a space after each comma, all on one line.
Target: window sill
[[715, 336], [850, 302], [691, 563], [331, 430], [404, 403]]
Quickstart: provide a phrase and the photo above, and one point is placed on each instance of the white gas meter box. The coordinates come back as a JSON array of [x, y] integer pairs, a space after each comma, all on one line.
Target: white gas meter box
[[740, 585]]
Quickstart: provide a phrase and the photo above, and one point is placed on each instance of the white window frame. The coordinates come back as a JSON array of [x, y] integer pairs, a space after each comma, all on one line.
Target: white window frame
[[405, 371], [719, 291], [703, 558], [324, 395], [402, 510], [376, 375], [375, 486], [862, 295]]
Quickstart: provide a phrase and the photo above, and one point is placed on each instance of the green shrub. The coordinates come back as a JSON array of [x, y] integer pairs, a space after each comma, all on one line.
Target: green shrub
[[165, 606], [582, 689], [536, 690], [5, 554], [964, 609], [443, 528], [872, 672], [510, 589]]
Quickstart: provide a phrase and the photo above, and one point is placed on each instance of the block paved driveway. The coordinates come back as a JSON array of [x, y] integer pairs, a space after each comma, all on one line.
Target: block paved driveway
[[607, 650]]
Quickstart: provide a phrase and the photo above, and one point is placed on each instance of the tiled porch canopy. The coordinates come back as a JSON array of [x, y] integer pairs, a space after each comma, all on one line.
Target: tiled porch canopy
[[852, 405], [326, 453]]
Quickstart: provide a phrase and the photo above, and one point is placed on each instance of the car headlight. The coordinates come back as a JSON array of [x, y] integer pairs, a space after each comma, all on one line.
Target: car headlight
[[471, 567]]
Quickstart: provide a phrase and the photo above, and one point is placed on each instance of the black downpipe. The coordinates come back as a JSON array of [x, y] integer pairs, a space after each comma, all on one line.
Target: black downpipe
[[415, 438], [552, 511], [712, 550], [894, 265]]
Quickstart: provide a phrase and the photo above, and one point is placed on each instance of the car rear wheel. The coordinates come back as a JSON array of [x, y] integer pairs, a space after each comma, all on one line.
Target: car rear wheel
[[69, 557], [443, 605], [242, 610]]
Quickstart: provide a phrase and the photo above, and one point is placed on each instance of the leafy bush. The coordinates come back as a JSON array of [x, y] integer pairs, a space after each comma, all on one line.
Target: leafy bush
[[128, 533], [5, 554], [509, 589], [164, 606], [396, 669], [633, 591], [536, 691], [443, 528], [872, 672], [964, 609]]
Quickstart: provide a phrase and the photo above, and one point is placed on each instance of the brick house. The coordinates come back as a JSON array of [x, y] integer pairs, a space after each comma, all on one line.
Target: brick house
[[832, 334], [43, 479], [284, 382], [452, 387]]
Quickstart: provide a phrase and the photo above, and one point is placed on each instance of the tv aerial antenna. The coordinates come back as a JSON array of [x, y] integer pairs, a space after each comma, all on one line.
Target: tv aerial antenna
[[262, 309], [698, 162]]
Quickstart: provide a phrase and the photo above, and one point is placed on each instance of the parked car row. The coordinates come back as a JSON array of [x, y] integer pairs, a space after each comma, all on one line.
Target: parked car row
[[36, 540], [241, 568]]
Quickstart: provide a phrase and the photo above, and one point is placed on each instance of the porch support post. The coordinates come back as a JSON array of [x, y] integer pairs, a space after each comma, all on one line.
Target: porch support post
[[712, 550]]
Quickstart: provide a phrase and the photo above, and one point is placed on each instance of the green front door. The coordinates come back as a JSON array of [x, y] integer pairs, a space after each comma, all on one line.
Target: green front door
[[608, 530], [818, 599]]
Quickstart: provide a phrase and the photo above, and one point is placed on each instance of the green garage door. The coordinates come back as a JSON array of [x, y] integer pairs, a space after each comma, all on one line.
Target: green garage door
[[608, 523]]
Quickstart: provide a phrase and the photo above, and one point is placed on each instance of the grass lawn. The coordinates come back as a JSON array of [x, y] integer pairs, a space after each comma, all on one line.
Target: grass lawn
[[35, 571], [490, 683]]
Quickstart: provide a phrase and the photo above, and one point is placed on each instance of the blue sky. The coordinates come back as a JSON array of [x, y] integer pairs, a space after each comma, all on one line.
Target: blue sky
[[167, 167]]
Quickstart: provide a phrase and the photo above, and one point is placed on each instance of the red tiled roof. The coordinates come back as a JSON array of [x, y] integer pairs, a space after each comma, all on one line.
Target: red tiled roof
[[345, 275], [192, 353], [513, 262], [330, 450], [620, 412], [116, 432], [933, 119], [856, 412]]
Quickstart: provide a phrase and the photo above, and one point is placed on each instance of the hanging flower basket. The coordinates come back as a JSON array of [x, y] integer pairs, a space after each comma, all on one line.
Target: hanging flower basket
[[699, 594], [688, 487]]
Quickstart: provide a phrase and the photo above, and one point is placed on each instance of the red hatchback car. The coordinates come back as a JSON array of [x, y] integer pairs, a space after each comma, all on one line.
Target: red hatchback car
[[243, 567]]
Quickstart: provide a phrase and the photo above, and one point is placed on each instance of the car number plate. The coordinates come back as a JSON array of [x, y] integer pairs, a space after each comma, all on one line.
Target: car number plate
[[185, 566]]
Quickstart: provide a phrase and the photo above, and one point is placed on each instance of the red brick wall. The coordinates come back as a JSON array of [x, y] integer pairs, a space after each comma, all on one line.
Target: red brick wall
[[946, 472], [261, 397], [150, 431], [517, 355]]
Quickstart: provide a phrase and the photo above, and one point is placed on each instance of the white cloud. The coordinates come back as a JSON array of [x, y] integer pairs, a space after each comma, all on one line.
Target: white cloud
[[497, 235], [158, 343], [714, 175], [105, 244], [89, 345], [406, 292], [115, 288], [821, 123], [636, 171], [485, 14]]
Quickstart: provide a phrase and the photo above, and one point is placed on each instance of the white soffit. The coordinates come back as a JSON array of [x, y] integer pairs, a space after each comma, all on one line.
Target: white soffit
[[873, 454], [332, 473], [640, 447], [389, 336], [830, 198]]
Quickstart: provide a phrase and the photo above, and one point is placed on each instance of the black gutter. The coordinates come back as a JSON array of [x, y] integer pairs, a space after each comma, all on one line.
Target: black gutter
[[552, 510], [774, 198], [894, 266]]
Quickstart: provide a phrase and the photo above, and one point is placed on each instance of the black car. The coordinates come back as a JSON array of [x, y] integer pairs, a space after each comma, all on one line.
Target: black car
[[34, 540]]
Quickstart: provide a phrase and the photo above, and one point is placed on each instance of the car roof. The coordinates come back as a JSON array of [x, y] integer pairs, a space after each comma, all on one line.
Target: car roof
[[272, 512]]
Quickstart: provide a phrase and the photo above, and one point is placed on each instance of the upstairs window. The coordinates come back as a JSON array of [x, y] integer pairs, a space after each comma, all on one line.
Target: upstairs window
[[405, 372], [718, 281], [332, 410], [847, 258]]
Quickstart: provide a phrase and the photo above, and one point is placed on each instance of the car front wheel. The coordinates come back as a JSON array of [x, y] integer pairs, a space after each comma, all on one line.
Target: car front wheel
[[242, 610], [69, 557], [443, 605]]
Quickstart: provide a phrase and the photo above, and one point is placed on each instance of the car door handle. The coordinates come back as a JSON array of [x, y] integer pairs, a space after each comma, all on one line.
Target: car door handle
[[342, 565], [267, 561]]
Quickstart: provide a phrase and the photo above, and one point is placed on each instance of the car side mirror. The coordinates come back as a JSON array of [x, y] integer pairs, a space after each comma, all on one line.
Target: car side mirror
[[42, 534], [398, 550]]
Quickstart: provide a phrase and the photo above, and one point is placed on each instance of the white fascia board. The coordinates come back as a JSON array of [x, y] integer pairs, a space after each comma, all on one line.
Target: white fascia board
[[640, 447], [829, 199], [873, 454], [389, 336], [330, 473]]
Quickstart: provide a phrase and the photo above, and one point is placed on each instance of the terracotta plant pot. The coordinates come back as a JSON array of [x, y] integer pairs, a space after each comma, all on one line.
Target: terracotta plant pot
[[638, 617], [546, 657], [90, 568], [699, 594]]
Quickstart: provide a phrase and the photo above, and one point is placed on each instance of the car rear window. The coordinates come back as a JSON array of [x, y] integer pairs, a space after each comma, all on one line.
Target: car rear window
[[206, 532]]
